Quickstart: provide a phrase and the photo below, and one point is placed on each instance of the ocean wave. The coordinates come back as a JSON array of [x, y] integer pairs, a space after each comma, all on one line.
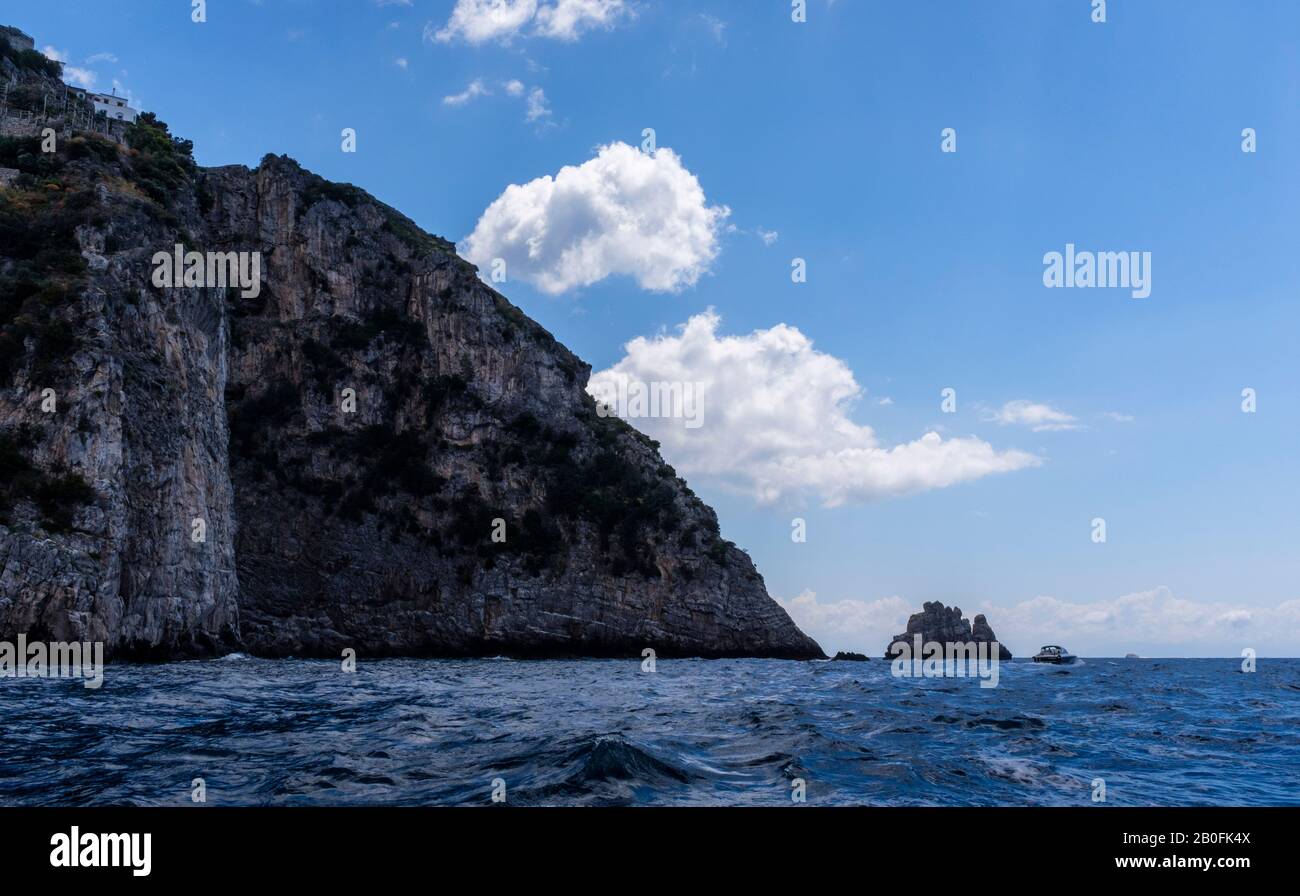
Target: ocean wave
[[404, 731]]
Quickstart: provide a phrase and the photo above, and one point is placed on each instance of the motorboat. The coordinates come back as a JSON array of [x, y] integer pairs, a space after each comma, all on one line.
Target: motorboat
[[1055, 654]]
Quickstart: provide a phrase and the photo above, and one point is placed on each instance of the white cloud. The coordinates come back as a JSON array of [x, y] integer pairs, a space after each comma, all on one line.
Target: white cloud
[[475, 90], [537, 106], [1151, 622], [864, 626], [79, 76], [768, 237], [100, 57], [482, 20], [623, 212], [1039, 417], [1154, 621], [72, 74], [400, 62], [566, 19], [776, 425], [477, 21], [1116, 417]]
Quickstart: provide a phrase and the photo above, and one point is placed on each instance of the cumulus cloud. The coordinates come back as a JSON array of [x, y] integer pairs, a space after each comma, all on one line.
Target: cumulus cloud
[[475, 90], [623, 212], [1038, 417], [864, 626], [566, 19], [482, 20], [515, 87], [1154, 622], [775, 420], [478, 21], [769, 237], [79, 76], [82, 77]]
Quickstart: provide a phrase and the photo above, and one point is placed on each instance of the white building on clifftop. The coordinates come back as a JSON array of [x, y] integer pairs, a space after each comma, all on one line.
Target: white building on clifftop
[[113, 106]]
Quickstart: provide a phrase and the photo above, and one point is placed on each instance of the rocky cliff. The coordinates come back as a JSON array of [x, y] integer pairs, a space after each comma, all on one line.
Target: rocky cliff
[[945, 625], [375, 450]]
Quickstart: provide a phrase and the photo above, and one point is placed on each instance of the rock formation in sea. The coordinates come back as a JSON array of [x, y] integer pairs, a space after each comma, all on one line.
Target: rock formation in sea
[[946, 625], [850, 655], [321, 462]]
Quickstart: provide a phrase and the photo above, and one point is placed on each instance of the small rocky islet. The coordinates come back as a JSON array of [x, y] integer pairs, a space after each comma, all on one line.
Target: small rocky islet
[[945, 625]]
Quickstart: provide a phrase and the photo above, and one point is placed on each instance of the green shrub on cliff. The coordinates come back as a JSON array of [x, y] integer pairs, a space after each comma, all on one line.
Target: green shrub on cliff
[[43, 272], [160, 162], [319, 189], [391, 324], [56, 494], [31, 60]]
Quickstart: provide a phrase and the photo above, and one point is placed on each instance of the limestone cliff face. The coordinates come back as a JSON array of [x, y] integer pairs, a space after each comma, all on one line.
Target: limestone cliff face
[[346, 443], [113, 434]]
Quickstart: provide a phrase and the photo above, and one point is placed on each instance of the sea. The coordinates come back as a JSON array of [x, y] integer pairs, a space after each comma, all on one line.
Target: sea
[[247, 731]]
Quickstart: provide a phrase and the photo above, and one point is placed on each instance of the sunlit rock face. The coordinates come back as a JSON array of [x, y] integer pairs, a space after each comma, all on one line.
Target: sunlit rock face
[[370, 449]]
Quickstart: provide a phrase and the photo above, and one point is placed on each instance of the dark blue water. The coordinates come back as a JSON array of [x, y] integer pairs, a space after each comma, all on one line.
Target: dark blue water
[[1160, 732]]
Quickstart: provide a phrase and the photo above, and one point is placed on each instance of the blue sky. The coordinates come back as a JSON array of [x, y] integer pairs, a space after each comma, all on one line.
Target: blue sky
[[924, 268]]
